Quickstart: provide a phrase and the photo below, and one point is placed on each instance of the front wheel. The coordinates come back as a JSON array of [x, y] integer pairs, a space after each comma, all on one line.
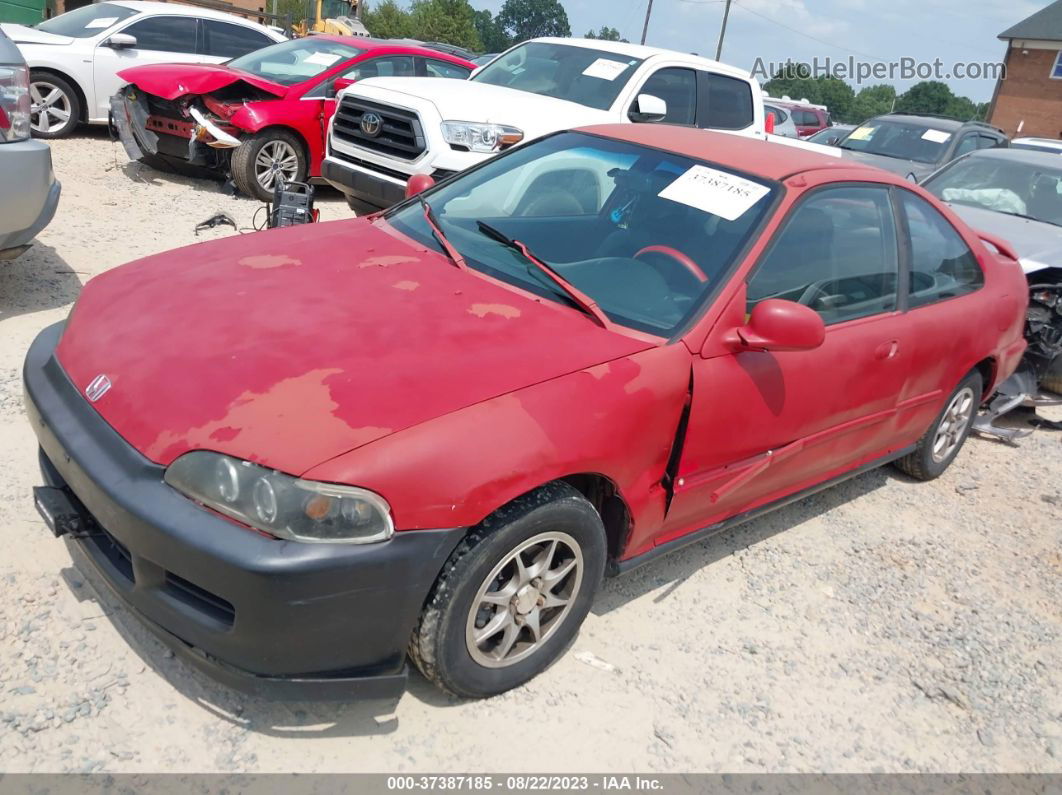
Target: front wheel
[[941, 443], [260, 159], [513, 594], [54, 106]]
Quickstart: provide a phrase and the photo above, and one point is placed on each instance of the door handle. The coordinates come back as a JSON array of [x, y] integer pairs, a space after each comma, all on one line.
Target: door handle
[[887, 350]]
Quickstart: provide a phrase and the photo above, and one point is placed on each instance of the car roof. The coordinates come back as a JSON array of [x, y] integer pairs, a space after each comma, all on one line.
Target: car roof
[[366, 43], [1052, 142], [755, 156], [179, 9], [933, 122], [643, 52], [1030, 157]]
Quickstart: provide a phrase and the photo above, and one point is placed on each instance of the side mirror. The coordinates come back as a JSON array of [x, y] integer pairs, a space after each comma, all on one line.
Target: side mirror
[[648, 109], [777, 325], [120, 41], [418, 183], [340, 83]]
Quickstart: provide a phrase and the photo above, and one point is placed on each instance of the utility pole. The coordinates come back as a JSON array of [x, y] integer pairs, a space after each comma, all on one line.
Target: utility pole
[[649, 11], [722, 31]]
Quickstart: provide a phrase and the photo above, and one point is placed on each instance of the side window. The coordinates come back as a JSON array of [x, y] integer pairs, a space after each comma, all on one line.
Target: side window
[[967, 143], [836, 254], [942, 265], [389, 66], [435, 68], [165, 34], [225, 40], [726, 102], [678, 88], [988, 142]]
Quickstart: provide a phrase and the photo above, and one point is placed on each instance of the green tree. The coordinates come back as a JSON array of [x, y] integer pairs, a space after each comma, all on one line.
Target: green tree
[[929, 96], [449, 21], [871, 101], [490, 32], [387, 21], [528, 19], [605, 34], [795, 81]]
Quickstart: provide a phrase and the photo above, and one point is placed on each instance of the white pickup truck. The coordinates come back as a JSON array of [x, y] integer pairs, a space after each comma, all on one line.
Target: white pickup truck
[[387, 129]]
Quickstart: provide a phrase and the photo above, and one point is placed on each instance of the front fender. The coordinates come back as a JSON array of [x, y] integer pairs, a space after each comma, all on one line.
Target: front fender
[[616, 419]]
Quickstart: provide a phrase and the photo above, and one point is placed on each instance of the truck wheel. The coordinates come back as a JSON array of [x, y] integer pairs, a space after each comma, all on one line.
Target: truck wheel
[[513, 595], [259, 159], [54, 106], [1052, 380], [941, 443]]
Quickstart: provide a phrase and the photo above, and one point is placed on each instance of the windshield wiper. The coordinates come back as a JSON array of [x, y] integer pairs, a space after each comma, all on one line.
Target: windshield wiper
[[448, 247], [581, 299]]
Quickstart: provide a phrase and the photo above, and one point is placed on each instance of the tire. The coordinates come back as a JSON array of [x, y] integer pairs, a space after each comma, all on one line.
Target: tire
[[950, 429], [56, 103], [1052, 380], [554, 524], [253, 160]]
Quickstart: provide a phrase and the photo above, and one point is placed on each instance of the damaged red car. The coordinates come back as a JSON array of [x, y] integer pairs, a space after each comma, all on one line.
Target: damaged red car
[[261, 115], [302, 454]]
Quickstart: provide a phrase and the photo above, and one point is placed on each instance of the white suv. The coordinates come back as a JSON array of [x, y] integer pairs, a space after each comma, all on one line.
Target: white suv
[[386, 130]]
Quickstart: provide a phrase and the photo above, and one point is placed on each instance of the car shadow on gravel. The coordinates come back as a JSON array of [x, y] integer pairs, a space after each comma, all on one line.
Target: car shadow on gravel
[[677, 567], [37, 280], [273, 718]]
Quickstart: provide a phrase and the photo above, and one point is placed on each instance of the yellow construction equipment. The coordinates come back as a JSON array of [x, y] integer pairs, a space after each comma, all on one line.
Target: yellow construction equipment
[[339, 17]]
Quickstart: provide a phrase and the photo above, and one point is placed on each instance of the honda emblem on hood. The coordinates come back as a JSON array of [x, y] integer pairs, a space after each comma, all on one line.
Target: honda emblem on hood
[[97, 388]]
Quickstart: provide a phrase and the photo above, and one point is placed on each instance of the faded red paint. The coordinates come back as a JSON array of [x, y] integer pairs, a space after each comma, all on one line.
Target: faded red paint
[[377, 363], [307, 116]]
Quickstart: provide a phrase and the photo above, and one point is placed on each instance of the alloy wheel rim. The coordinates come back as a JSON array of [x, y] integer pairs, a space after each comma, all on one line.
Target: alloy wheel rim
[[49, 107], [524, 600], [953, 424], [275, 157]]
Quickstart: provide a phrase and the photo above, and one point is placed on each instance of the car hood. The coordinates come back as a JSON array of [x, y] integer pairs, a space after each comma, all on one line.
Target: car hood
[[1038, 244], [292, 346], [465, 100], [172, 80], [897, 165], [20, 34]]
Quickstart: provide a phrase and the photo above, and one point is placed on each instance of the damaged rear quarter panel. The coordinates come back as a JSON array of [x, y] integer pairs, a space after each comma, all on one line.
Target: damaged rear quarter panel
[[616, 419]]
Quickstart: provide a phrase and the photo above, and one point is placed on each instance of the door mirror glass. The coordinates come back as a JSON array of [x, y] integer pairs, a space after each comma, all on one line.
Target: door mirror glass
[[418, 183], [120, 41], [648, 109], [779, 325], [339, 84]]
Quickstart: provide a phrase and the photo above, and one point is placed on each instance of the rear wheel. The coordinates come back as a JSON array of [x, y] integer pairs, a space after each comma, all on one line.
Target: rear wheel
[[260, 159], [1052, 380], [513, 594], [54, 106], [941, 443]]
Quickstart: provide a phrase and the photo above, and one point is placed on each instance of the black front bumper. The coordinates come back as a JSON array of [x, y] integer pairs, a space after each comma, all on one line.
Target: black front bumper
[[273, 618], [367, 188]]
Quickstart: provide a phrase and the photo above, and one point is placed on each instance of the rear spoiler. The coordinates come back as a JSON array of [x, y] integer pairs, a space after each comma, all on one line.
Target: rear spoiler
[[999, 244]]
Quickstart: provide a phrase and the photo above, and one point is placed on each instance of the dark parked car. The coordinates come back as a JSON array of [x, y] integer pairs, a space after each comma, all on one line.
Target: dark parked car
[[914, 146], [832, 135]]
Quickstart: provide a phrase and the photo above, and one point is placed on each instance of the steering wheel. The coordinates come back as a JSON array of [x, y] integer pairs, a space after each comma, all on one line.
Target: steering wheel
[[679, 257]]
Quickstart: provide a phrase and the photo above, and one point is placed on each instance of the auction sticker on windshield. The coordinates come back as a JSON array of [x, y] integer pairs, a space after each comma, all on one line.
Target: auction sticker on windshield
[[322, 58], [605, 69], [861, 134], [936, 136], [717, 192], [102, 22]]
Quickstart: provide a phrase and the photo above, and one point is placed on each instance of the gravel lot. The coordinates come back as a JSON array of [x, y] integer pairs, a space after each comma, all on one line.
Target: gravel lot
[[893, 626]]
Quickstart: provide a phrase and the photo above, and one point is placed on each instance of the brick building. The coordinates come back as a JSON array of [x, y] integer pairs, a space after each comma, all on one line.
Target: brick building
[[1029, 100]]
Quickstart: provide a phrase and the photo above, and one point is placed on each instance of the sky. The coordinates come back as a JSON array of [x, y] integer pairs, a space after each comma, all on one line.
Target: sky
[[777, 30]]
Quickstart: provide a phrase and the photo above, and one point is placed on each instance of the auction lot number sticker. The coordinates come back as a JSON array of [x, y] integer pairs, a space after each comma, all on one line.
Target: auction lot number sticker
[[525, 783]]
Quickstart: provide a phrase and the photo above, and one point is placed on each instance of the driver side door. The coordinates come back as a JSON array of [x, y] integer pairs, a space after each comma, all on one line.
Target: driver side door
[[764, 425]]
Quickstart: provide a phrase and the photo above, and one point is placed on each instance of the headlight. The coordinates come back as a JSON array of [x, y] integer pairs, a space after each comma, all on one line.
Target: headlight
[[14, 103], [280, 505], [480, 137]]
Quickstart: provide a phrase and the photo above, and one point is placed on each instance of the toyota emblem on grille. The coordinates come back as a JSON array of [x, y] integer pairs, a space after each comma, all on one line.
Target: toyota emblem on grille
[[371, 124], [97, 388]]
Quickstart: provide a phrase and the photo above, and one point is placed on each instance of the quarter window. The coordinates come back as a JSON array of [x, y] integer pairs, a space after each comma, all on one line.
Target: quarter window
[[942, 265], [165, 34], [729, 102], [678, 88], [225, 40], [835, 254]]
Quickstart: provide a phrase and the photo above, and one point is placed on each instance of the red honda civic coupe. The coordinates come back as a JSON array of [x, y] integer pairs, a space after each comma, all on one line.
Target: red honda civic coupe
[[263, 114], [301, 454]]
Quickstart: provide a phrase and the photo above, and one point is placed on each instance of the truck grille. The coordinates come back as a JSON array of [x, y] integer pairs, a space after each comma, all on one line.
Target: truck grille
[[400, 135]]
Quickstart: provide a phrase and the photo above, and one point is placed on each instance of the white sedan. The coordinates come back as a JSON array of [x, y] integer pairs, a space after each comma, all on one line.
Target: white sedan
[[74, 58]]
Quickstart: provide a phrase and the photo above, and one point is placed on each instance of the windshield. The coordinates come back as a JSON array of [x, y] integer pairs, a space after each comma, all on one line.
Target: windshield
[[644, 233], [87, 21], [295, 61], [1002, 185], [904, 140], [589, 77]]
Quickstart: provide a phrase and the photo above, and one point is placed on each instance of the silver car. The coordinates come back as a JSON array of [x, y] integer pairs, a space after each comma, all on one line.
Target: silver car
[[29, 191], [783, 120]]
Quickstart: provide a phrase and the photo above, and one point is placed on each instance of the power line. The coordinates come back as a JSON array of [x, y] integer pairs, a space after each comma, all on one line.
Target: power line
[[808, 35]]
